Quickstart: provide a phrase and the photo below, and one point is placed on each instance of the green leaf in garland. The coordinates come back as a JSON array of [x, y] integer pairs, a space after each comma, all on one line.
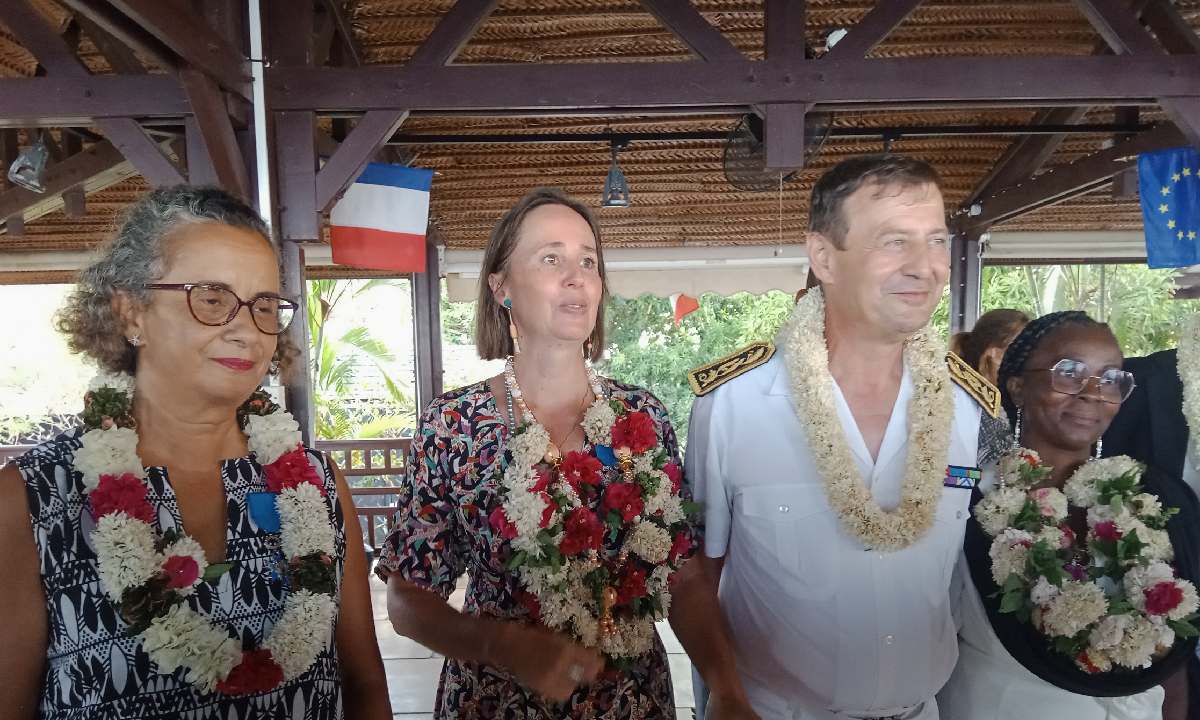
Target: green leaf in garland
[[1183, 628], [517, 560], [213, 572]]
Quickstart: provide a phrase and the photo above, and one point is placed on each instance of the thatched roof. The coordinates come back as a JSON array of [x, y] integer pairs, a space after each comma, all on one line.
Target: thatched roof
[[680, 195]]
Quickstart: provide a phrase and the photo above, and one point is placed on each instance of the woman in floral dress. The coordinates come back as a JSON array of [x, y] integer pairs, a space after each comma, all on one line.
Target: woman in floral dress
[[521, 648], [1064, 614]]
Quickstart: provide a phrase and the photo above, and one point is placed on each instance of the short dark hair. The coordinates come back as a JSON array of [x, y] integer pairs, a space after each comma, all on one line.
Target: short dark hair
[[842, 180], [1024, 345], [492, 340]]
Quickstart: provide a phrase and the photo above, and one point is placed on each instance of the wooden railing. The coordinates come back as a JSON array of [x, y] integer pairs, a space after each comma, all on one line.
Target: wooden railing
[[372, 468]]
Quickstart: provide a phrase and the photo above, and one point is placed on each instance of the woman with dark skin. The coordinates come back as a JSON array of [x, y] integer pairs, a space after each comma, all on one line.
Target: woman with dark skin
[[1061, 383]]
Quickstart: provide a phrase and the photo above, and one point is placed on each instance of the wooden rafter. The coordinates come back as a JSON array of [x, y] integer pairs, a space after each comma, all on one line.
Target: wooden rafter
[[211, 119], [872, 29], [686, 22]]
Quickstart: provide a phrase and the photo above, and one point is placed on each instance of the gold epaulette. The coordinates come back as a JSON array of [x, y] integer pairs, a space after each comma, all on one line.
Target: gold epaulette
[[707, 378], [976, 385]]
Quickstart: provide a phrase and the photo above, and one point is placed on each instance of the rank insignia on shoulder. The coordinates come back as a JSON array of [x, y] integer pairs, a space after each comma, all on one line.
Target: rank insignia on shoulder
[[976, 385], [962, 477], [707, 378]]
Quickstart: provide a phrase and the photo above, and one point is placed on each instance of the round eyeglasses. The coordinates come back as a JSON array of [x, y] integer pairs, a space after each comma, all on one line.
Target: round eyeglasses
[[217, 305], [1070, 377]]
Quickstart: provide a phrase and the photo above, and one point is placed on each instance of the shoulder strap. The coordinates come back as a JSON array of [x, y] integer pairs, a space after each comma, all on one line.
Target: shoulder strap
[[976, 385], [707, 378]]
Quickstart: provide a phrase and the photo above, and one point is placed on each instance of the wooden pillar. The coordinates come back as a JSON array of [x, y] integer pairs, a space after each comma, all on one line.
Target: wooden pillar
[[966, 267], [427, 326]]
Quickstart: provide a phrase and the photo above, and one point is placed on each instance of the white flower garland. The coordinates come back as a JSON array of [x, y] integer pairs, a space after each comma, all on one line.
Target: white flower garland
[[565, 595], [930, 414], [1125, 607], [1187, 363], [129, 559]]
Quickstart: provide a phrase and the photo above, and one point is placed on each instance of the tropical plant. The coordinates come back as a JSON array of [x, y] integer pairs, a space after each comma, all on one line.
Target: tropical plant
[[337, 360]]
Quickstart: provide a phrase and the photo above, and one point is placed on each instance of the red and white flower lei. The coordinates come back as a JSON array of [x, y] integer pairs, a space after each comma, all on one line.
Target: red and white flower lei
[[149, 575], [577, 536], [1121, 604]]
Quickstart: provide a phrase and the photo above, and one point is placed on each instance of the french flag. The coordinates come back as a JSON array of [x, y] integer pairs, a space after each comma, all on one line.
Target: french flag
[[380, 222]]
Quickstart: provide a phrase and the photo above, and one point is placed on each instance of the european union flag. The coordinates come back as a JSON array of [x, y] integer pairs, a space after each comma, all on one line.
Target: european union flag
[[1169, 186]]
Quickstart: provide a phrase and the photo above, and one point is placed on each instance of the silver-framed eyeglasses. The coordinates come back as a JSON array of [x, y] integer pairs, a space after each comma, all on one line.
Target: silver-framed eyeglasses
[[1071, 377], [217, 305]]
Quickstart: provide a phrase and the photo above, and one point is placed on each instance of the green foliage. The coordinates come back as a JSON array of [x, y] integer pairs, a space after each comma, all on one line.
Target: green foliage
[[458, 322], [335, 362], [1134, 299], [647, 348]]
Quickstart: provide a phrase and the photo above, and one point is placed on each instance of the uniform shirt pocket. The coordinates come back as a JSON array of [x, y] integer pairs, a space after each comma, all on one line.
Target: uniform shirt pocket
[[788, 529]]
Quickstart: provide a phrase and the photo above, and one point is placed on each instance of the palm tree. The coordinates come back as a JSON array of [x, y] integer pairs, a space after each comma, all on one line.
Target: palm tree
[[335, 362]]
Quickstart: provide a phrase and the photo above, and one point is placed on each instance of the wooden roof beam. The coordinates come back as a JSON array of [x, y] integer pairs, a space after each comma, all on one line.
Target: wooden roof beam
[[448, 38], [686, 22], [1071, 180], [873, 29], [784, 30], [873, 84], [1171, 28], [1125, 35], [95, 168], [84, 102], [345, 31], [185, 32]]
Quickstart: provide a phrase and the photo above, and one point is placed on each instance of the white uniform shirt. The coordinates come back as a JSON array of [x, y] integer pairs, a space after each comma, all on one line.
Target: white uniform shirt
[[820, 624], [1191, 474]]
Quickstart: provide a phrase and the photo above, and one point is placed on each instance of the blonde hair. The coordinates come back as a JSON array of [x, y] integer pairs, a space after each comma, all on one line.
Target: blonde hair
[[492, 340]]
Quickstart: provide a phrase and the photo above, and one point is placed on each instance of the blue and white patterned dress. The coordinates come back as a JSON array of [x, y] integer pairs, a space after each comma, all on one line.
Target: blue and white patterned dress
[[97, 670]]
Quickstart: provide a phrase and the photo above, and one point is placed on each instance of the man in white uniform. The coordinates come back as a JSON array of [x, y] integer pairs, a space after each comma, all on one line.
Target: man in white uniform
[[834, 558]]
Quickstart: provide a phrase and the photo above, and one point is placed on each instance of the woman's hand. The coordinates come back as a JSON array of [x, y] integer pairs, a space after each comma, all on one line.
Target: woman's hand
[[547, 662], [727, 707]]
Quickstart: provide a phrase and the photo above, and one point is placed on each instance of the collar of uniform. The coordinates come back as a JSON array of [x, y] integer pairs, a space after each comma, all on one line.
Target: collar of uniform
[[780, 383]]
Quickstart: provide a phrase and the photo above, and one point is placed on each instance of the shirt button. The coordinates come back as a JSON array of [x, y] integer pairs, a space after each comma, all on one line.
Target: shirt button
[[881, 555], [958, 515], [889, 639], [784, 508]]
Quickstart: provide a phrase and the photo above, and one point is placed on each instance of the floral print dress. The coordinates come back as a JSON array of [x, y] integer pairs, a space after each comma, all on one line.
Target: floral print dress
[[455, 470]]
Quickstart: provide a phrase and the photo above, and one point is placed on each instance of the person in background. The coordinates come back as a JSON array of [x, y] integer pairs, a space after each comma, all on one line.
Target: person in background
[[983, 346]]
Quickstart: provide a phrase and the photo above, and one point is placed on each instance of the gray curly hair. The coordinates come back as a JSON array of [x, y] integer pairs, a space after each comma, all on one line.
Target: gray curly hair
[[134, 258]]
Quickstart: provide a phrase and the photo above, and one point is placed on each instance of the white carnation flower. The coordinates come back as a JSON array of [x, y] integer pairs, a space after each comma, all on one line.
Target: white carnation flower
[[1158, 545], [1043, 591], [302, 632], [1009, 465], [107, 452], [271, 436], [997, 510], [529, 446], [125, 554], [1109, 632], [1137, 646], [1147, 505], [1053, 536], [121, 382], [1164, 636], [1077, 605], [304, 521], [1009, 552], [183, 639], [1051, 503], [649, 542], [598, 422], [643, 463]]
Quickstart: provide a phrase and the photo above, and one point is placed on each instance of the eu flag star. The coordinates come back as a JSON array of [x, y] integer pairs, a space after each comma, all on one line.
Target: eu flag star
[[1175, 177], [1179, 234], [1170, 224], [1187, 172], [1163, 208], [1191, 234], [1166, 190]]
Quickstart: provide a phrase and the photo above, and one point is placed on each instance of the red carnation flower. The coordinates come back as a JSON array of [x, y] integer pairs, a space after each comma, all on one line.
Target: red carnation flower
[[1107, 530], [672, 471], [181, 570], [634, 431], [292, 469], [121, 493], [256, 673], [682, 547], [1163, 598], [632, 585], [1085, 663], [530, 602], [501, 524], [580, 469], [1031, 459], [581, 531], [1068, 536], [548, 513], [625, 498]]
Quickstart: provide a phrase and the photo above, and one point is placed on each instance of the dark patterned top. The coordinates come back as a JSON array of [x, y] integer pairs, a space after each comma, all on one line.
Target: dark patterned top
[[95, 669], [454, 472]]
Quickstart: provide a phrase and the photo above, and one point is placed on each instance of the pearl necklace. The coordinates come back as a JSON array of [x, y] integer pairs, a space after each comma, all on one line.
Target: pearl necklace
[[553, 452]]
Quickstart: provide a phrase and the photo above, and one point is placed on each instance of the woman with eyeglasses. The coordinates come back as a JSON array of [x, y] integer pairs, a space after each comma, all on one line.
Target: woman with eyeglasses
[[181, 553], [1077, 571]]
